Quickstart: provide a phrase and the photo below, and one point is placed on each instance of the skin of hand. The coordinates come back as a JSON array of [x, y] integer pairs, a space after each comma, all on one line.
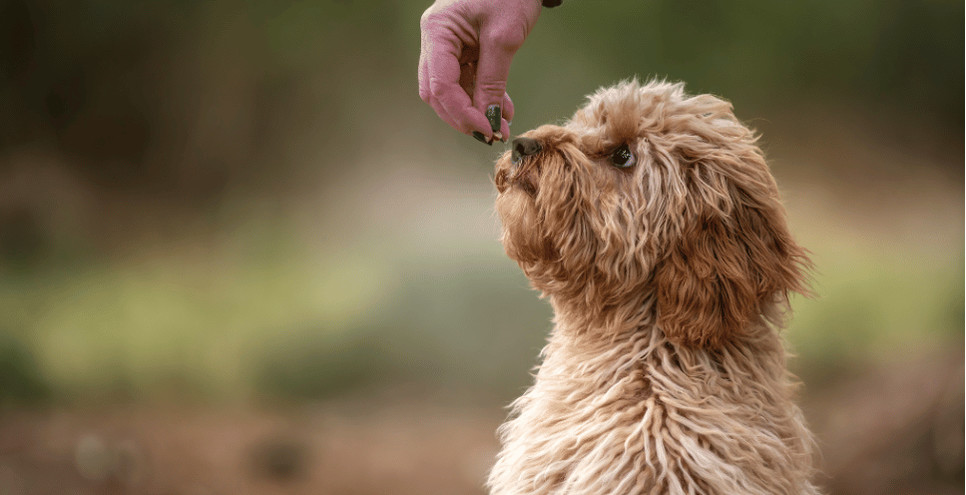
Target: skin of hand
[[464, 61]]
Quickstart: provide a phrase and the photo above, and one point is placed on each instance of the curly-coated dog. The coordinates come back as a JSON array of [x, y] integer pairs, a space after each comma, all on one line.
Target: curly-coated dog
[[652, 223]]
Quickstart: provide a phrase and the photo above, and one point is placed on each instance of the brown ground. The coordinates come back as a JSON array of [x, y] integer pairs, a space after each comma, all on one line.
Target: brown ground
[[896, 429]]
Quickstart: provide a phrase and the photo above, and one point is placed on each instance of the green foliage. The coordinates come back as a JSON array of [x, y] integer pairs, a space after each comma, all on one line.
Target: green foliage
[[313, 364], [444, 328], [20, 377], [885, 57], [872, 305], [138, 76]]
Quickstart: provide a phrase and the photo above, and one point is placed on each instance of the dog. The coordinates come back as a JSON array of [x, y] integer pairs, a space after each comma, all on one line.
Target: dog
[[651, 222]]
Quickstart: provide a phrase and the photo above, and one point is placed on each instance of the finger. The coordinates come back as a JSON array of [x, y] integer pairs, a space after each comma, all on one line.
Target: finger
[[433, 102], [425, 91], [507, 108], [422, 75], [426, 95], [422, 72], [497, 48], [504, 130], [444, 76]]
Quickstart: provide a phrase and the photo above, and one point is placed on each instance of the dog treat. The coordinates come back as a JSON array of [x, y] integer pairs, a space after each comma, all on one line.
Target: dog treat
[[493, 115], [652, 224]]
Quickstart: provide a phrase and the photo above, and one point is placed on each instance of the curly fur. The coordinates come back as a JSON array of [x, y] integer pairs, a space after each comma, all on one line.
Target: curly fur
[[665, 371]]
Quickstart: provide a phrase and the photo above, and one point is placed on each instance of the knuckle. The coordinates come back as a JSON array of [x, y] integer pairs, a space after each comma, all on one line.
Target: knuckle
[[435, 85], [509, 38], [494, 89], [424, 19], [430, 20], [439, 86]]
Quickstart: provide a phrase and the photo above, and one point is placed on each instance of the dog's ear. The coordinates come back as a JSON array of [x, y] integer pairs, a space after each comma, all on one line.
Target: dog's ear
[[723, 272]]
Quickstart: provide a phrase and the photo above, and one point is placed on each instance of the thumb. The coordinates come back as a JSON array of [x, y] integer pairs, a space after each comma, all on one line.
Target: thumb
[[497, 48]]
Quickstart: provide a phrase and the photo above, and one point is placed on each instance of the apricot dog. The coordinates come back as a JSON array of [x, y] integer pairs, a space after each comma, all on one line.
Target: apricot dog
[[652, 223]]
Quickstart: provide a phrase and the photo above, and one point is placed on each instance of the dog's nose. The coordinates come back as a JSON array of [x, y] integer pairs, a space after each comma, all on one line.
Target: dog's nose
[[524, 146]]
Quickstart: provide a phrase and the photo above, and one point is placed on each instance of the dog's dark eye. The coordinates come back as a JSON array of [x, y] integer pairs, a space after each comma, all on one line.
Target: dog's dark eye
[[622, 157]]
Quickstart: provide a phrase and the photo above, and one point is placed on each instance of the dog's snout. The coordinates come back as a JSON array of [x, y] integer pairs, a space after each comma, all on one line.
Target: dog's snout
[[523, 147]]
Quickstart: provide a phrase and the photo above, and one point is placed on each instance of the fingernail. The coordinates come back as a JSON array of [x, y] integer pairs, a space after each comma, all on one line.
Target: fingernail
[[481, 138], [493, 114]]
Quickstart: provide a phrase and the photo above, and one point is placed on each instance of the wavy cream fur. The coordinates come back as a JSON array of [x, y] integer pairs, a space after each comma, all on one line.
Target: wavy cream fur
[[665, 371]]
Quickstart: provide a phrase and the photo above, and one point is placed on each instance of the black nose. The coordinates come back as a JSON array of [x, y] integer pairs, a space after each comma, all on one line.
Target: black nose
[[524, 146]]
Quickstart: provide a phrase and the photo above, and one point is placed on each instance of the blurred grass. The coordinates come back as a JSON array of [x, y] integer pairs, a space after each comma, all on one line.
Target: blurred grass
[[264, 313], [873, 305], [259, 313]]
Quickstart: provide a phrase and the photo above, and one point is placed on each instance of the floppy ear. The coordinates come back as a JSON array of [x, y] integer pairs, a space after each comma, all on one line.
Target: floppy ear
[[723, 272]]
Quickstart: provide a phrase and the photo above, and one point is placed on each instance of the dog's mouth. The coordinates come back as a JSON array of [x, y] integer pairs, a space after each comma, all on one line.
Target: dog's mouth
[[506, 179], [524, 175]]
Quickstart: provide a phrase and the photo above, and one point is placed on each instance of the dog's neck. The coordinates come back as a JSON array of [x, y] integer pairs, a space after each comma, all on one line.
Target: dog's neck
[[578, 323], [586, 317]]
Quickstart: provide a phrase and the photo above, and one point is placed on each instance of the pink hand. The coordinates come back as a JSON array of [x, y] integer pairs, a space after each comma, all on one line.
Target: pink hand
[[464, 61]]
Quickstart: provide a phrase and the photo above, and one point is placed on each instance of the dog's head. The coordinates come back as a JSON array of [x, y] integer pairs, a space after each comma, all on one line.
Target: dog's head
[[648, 193]]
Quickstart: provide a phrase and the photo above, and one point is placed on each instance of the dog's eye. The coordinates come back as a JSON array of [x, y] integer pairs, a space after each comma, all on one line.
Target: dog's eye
[[622, 157]]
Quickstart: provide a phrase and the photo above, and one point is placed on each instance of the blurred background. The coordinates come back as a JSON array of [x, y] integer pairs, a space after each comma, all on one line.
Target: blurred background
[[239, 255]]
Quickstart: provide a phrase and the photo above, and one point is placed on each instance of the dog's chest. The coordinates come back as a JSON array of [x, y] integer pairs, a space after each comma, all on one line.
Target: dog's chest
[[638, 413]]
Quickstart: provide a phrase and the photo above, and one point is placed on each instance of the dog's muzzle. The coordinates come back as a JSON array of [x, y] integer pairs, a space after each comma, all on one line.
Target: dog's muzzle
[[520, 173]]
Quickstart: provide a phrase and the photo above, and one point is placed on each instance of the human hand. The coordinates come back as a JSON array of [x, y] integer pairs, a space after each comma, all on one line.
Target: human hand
[[464, 61]]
